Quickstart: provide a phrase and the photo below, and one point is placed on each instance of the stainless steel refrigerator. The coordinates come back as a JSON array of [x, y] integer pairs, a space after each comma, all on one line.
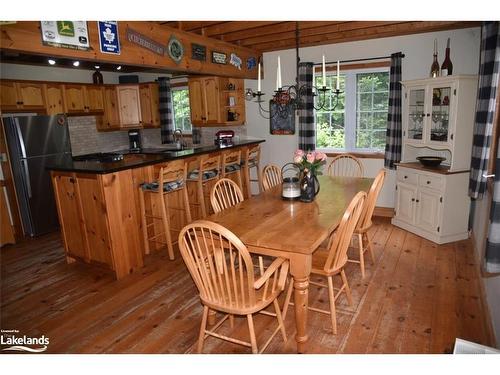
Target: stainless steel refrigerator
[[33, 143]]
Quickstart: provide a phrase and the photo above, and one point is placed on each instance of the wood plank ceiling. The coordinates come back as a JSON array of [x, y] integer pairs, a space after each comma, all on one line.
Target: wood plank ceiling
[[277, 35]]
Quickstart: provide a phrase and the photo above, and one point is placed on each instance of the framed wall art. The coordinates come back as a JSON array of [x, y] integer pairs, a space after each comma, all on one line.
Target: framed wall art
[[281, 125]]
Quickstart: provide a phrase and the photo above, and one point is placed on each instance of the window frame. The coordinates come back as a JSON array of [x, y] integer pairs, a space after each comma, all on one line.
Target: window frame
[[180, 88], [350, 111]]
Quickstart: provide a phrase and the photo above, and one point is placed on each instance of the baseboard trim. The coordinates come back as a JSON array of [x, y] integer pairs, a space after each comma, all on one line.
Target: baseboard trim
[[383, 212]]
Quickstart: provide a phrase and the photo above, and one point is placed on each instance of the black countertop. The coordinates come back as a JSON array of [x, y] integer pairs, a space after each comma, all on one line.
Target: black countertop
[[138, 159]]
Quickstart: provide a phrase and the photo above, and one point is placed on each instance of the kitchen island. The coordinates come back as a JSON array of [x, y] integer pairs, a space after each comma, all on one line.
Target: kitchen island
[[99, 209]]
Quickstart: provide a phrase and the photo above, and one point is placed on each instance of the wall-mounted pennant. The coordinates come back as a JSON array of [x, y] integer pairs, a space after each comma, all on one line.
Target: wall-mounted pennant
[[251, 63], [198, 52], [219, 57], [65, 34], [145, 42], [175, 49], [235, 60], [108, 37]]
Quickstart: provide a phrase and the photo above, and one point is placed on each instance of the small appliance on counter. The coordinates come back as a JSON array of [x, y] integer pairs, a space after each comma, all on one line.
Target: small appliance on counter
[[224, 138], [291, 181], [100, 157], [134, 140]]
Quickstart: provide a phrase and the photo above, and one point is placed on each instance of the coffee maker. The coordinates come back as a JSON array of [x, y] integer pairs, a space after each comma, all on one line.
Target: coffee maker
[[134, 140]]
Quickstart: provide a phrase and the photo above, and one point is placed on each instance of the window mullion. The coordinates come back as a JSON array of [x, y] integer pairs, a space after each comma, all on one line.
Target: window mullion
[[350, 111]]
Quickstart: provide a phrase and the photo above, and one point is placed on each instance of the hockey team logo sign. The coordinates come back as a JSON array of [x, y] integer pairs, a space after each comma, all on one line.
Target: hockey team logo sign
[[15, 342]]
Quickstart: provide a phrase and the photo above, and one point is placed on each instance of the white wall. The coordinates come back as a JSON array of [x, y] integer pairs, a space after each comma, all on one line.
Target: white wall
[[465, 44]]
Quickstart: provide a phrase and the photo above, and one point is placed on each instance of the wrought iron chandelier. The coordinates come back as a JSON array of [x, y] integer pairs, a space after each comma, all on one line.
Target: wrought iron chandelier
[[287, 99]]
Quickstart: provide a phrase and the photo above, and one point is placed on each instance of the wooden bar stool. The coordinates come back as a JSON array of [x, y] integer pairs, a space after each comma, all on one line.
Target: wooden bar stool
[[172, 177], [251, 159], [231, 166], [208, 170]]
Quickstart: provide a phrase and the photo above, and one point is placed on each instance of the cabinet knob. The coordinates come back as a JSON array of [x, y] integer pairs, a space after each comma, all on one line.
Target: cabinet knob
[[428, 182], [428, 115], [413, 199], [406, 177], [417, 200], [72, 180]]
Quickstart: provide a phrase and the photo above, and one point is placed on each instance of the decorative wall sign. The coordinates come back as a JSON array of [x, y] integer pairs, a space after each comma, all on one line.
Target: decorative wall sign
[[65, 34], [108, 37], [175, 49], [251, 63], [281, 125], [219, 57], [198, 52], [235, 60], [145, 42]]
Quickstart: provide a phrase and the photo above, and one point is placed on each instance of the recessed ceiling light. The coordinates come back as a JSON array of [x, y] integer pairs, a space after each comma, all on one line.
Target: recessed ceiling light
[[76, 63], [52, 62], [119, 67], [97, 66]]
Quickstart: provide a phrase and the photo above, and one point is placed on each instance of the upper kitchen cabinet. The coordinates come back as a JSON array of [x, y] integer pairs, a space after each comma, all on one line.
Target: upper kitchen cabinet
[[129, 106], [438, 118], [149, 101], [216, 101], [22, 96], [83, 98], [54, 98], [111, 117]]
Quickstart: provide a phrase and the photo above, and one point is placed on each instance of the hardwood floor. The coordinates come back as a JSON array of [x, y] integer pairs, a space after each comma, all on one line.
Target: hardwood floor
[[416, 299]]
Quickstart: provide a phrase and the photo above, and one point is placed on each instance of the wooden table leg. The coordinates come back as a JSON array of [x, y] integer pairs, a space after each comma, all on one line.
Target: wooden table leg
[[300, 269]]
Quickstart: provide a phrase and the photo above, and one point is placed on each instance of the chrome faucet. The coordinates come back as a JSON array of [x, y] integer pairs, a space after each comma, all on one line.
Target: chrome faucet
[[179, 139]]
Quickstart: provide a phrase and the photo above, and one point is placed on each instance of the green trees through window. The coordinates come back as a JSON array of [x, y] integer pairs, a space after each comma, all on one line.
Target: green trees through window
[[180, 103]]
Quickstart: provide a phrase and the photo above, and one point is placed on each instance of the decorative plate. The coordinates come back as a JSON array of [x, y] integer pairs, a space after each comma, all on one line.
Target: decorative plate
[[175, 49]]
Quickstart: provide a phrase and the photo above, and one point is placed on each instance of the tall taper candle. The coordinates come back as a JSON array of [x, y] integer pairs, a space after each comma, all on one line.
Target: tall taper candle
[[324, 72], [277, 79], [258, 82], [435, 46], [279, 72], [338, 75]]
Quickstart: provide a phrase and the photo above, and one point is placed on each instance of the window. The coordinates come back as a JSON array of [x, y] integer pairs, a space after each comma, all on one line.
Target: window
[[359, 121], [180, 104]]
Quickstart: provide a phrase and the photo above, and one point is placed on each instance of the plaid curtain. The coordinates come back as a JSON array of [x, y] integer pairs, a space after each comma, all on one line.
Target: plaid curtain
[[307, 131], [485, 108], [166, 115], [394, 118], [492, 254]]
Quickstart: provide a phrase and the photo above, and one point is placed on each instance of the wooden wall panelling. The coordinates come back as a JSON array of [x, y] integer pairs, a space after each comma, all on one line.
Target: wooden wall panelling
[[24, 37]]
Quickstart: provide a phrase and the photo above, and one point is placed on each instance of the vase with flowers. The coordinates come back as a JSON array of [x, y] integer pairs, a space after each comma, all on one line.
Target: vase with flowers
[[310, 164]]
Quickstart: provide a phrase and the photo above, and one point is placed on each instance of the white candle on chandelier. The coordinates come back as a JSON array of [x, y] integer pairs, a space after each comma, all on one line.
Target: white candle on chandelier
[[324, 72], [338, 75], [258, 82], [277, 79], [279, 72]]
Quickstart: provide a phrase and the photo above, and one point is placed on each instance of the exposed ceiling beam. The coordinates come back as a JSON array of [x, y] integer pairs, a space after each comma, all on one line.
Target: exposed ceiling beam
[[191, 26]]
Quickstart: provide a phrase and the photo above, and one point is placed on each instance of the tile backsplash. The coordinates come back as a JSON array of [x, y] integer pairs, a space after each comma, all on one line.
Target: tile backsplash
[[85, 139]]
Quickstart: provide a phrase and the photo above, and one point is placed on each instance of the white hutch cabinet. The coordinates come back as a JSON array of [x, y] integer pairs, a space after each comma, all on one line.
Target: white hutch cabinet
[[438, 119]]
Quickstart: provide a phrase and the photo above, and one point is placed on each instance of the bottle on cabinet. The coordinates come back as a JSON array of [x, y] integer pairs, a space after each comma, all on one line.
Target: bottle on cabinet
[[435, 65], [447, 66]]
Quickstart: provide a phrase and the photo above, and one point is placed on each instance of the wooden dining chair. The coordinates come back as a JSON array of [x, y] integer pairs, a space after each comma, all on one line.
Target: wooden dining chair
[[271, 176], [225, 193], [231, 166], [251, 159], [222, 269], [365, 222], [345, 165], [330, 262], [207, 171]]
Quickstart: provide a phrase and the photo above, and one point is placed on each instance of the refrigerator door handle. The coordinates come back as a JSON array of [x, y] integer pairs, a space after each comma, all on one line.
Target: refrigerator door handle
[[26, 171], [20, 138]]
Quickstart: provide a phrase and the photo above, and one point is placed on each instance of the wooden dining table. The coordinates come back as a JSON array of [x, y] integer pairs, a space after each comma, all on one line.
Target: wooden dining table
[[269, 225]]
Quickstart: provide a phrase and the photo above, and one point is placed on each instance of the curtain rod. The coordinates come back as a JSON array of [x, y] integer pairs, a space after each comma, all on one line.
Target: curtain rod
[[356, 60]]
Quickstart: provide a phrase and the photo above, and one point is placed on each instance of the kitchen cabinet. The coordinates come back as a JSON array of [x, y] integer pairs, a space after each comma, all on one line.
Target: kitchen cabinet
[[111, 117], [54, 98], [149, 102], [129, 106], [21, 96], [434, 205], [438, 119], [212, 99], [83, 98]]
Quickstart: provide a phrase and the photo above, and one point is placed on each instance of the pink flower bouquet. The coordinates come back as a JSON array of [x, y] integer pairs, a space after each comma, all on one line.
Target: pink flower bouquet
[[312, 160]]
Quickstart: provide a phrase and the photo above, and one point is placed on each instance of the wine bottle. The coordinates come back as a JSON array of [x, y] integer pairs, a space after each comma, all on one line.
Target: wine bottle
[[447, 67], [435, 64]]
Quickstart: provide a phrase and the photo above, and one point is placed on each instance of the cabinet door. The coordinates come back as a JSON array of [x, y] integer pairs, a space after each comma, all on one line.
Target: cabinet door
[[415, 115], [31, 95], [54, 98], [212, 100], [146, 105], [8, 96], [440, 119], [197, 102], [405, 202], [111, 117], [70, 215], [428, 210], [74, 98], [129, 106], [94, 98]]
